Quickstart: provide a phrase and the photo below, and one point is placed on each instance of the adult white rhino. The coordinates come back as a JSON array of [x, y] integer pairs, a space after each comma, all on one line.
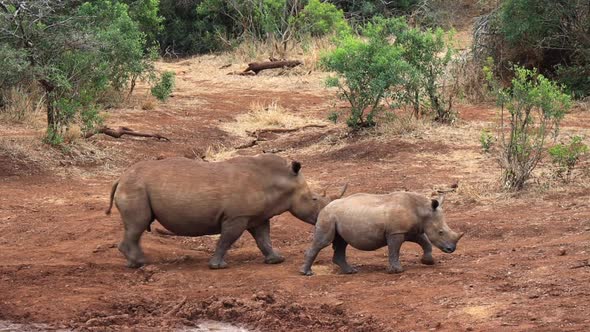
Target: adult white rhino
[[194, 198]]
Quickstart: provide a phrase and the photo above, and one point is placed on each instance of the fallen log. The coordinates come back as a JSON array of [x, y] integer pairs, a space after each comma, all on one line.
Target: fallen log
[[118, 132], [257, 132], [257, 67]]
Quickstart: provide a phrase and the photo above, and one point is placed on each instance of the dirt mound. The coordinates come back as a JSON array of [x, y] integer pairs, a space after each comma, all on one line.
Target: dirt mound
[[262, 312], [14, 162]]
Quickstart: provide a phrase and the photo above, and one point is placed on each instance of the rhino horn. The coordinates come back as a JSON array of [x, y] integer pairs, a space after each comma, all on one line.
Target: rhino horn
[[460, 236], [342, 191]]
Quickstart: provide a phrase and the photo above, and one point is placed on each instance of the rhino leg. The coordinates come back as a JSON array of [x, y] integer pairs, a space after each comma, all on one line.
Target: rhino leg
[[137, 216], [394, 243], [261, 234], [339, 246], [325, 230], [423, 241], [231, 230]]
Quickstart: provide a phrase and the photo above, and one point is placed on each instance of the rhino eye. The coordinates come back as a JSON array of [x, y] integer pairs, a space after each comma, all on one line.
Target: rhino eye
[[440, 232]]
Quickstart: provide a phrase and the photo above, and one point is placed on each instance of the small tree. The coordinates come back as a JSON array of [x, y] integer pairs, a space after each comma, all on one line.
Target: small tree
[[367, 68], [535, 107], [74, 51]]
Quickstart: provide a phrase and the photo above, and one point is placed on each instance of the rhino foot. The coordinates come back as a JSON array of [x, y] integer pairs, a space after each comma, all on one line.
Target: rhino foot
[[427, 260], [274, 259], [307, 273], [349, 270], [395, 269], [217, 265]]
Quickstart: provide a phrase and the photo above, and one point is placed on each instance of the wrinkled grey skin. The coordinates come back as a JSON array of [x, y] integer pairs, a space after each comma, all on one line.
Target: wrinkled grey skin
[[369, 222], [194, 198]]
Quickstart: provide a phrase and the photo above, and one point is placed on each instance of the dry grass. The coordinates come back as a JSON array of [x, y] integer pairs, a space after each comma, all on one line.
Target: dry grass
[[72, 134], [218, 153], [266, 116], [22, 105], [149, 103], [402, 125]]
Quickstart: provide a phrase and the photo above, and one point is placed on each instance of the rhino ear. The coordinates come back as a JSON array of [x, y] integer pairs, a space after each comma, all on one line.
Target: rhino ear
[[434, 204], [295, 166]]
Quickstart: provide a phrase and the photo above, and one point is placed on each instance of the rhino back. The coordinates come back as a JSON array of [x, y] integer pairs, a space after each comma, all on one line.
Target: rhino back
[[364, 219], [192, 197]]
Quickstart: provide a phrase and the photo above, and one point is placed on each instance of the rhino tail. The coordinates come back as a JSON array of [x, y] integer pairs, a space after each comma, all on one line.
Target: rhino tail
[[113, 189]]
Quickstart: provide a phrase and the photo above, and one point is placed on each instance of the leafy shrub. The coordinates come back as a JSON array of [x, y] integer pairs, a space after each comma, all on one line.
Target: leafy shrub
[[164, 87], [486, 139], [535, 107], [391, 61], [423, 50], [367, 68], [566, 156]]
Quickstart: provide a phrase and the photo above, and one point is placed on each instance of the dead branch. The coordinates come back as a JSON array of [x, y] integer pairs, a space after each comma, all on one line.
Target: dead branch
[[257, 132], [249, 144], [118, 132], [257, 67], [176, 308]]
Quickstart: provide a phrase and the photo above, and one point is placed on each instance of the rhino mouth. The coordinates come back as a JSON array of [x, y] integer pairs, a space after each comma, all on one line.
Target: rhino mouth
[[448, 249]]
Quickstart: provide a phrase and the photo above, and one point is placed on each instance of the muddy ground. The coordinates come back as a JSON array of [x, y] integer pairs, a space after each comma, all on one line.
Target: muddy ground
[[522, 265]]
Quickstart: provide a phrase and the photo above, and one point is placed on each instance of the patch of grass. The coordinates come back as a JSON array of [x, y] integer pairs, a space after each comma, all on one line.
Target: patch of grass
[[218, 153], [149, 103], [401, 125], [21, 105], [263, 116]]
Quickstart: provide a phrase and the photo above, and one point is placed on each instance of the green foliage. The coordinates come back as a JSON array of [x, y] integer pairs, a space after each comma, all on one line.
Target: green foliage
[[486, 139], [566, 156], [549, 35], [76, 52], [367, 67], [333, 116], [391, 61], [422, 50], [365, 10], [146, 14], [320, 18], [535, 107], [163, 88]]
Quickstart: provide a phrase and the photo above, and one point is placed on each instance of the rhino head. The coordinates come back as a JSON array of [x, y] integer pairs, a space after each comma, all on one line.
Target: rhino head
[[305, 204], [437, 230]]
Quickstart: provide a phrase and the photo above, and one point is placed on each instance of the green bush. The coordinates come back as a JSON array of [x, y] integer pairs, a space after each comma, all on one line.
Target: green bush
[[486, 139], [566, 156], [535, 107], [163, 88], [367, 66], [320, 18], [429, 54], [549, 35]]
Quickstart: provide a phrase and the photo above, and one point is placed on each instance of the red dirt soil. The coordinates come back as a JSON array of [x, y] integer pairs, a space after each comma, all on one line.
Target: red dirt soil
[[519, 267]]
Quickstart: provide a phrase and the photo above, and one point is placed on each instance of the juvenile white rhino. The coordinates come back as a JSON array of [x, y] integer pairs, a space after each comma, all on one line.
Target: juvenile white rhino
[[193, 198], [369, 222]]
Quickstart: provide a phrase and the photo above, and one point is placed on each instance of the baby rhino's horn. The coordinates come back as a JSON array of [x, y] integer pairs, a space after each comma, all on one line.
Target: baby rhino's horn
[[460, 236]]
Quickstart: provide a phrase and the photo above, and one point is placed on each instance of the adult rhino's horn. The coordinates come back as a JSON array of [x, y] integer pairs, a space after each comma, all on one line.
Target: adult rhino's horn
[[460, 236], [344, 187], [342, 191], [295, 166]]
